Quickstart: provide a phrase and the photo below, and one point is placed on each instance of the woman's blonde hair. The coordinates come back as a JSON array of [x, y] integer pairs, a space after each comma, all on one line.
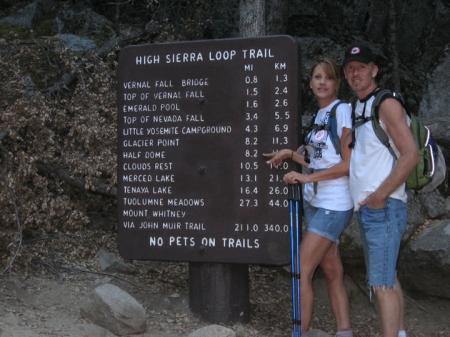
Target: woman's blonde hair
[[330, 68]]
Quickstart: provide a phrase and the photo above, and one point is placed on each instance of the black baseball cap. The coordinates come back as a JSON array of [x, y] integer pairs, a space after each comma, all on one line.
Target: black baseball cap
[[360, 53]]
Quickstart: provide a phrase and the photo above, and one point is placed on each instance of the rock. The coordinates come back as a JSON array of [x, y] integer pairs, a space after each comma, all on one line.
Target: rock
[[83, 23], [425, 263], [76, 43], [112, 308], [447, 205], [213, 331], [109, 262], [26, 17], [433, 104], [433, 204]]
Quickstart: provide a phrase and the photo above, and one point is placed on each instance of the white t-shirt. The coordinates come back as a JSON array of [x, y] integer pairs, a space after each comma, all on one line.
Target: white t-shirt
[[371, 162], [331, 194]]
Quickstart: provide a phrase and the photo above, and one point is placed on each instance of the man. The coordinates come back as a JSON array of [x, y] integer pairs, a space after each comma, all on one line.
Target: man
[[377, 186]]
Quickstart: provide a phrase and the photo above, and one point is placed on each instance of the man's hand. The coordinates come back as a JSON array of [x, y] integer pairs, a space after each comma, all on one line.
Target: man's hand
[[373, 201]]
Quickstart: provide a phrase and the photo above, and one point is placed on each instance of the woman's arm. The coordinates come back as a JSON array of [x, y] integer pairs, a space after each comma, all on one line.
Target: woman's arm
[[336, 171], [276, 158]]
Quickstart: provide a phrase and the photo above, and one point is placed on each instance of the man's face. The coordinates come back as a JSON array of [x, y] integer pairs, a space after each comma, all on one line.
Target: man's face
[[360, 76]]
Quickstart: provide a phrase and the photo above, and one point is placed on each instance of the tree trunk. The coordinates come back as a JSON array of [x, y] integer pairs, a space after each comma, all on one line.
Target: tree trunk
[[252, 18], [117, 18], [277, 17], [393, 47], [377, 20]]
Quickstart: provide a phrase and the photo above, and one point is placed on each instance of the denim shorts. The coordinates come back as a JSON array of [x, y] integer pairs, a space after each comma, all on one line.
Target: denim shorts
[[381, 234], [326, 223]]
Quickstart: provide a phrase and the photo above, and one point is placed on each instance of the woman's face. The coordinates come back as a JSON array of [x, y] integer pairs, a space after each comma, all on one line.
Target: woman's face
[[322, 85]]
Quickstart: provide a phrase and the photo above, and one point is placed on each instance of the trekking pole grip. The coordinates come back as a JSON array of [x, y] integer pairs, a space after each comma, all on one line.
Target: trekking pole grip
[[294, 192], [291, 192]]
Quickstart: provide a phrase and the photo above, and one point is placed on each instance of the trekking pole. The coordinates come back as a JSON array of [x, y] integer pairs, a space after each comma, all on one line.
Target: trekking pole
[[295, 236], [298, 238]]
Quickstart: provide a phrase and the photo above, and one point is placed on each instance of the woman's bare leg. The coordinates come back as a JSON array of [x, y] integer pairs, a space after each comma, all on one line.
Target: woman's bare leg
[[313, 248], [333, 270]]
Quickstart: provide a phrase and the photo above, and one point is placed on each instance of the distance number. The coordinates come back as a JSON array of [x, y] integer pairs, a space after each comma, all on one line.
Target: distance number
[[276, 228], [249, 190], [281, 78], [251, 79], [278, 190], [249, 166], [251, 153], [281, 128], [248, 202], [280, 140], [252, 91], [251, 116], [239, 227], [249, 178], [281, 91], [251, 141], [251, 128], [284, 166], [274, 178], [281, 102], [279, 115], [278, 203]]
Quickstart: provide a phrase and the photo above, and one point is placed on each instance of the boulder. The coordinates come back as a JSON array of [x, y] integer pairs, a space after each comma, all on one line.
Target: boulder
[[213, 331], [424, 264], [112, 308]]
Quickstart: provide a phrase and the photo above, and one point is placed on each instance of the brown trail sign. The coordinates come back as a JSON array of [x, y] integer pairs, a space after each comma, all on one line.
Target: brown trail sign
[[194, 120]]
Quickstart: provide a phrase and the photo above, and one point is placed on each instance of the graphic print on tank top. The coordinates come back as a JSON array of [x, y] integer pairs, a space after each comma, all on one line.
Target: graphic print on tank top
[[318, 138]]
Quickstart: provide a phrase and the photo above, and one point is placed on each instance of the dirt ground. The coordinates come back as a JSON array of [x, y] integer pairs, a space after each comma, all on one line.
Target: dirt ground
[[42, 293]]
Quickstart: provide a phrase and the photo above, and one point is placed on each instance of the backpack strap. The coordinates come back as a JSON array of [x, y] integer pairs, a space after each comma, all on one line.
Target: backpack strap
[[332, 128], [303, 149], [380, 96], [316, 183], [381, 134], [358, 121]]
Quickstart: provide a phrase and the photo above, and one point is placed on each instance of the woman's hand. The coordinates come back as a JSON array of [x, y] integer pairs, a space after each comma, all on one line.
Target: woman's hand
[[294, 177], [276, 158]]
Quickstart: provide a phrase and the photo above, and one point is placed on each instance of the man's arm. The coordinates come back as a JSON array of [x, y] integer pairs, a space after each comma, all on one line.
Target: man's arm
[[394, 121]]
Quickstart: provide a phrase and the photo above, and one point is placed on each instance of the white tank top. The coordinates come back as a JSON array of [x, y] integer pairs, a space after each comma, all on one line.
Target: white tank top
[[371, 162]]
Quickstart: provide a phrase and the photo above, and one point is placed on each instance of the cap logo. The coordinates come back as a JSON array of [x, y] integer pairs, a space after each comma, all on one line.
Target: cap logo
[[355, 50]]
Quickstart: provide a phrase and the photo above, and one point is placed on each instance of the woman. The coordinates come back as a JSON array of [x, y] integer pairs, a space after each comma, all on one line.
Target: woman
[[326, 198]]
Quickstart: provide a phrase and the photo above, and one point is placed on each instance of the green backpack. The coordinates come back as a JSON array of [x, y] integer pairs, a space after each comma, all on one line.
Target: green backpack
[[429, 172]]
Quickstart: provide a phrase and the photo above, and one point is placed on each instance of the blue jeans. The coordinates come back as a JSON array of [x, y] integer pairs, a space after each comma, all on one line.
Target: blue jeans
[[326, 223], [381, 234]]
